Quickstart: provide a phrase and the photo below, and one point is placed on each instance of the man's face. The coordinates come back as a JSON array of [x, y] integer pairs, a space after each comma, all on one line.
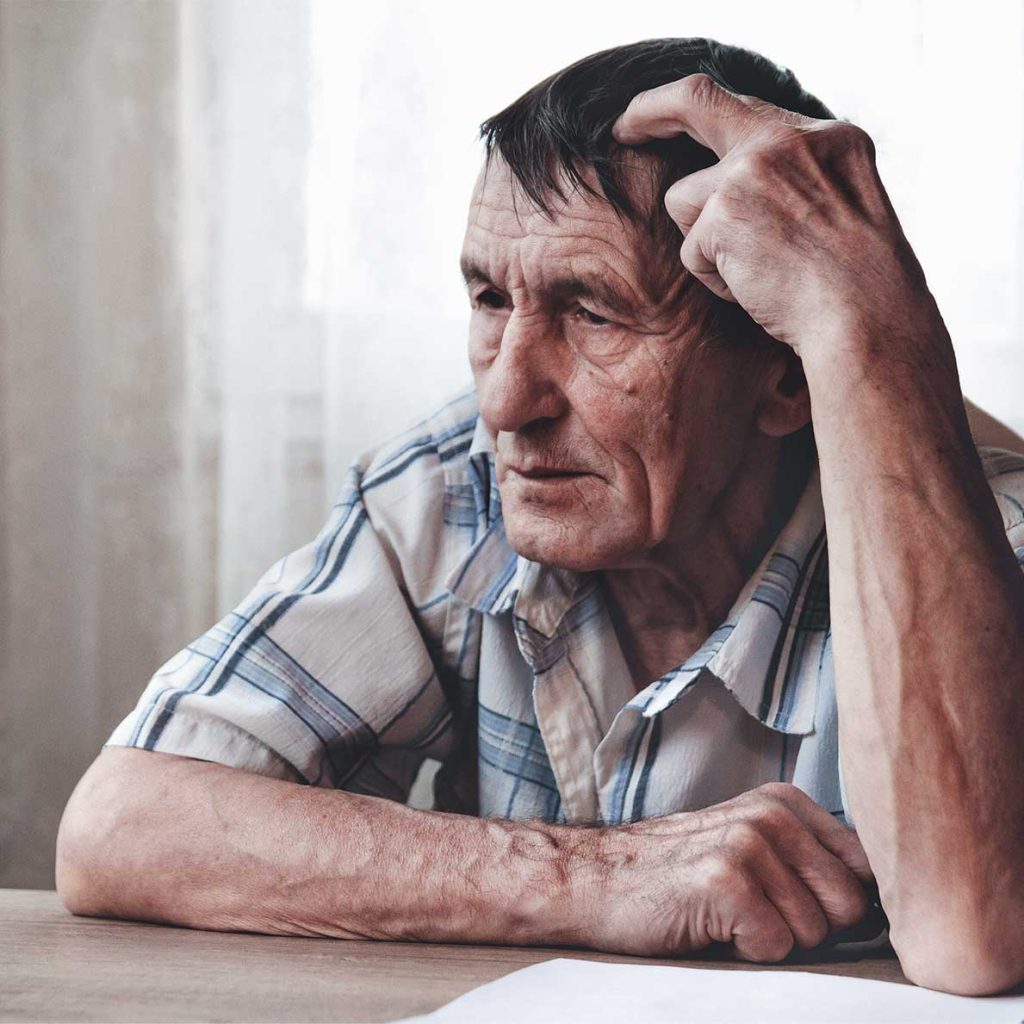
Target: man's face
[[615, 428]]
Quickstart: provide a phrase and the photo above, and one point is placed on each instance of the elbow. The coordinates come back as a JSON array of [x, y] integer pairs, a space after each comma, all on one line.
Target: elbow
[[952, 959], [76, 876], [86, 867], [71, 874], [960, 975]]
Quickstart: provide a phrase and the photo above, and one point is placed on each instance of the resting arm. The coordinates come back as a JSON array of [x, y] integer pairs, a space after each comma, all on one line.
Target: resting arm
[[159, 837]]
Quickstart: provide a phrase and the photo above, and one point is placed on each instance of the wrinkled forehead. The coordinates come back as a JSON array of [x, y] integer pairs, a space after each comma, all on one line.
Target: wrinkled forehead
[[498, 191], [500, 212]]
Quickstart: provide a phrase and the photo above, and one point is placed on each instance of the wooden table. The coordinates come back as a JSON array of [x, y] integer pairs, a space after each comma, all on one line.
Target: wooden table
[[57, 967]]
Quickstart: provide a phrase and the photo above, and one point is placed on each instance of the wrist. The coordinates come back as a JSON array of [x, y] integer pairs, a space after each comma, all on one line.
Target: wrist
[[596, 886], [855, 343], [533, 886], [562, 901], [578, 886]]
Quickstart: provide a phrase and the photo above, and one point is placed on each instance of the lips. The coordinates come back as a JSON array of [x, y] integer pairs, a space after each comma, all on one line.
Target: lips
[[543, 472]]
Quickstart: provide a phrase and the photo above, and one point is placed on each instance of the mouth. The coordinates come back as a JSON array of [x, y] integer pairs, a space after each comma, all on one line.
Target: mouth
[[547, 473]]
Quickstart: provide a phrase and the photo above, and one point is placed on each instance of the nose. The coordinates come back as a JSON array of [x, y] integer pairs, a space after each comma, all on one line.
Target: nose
[[520, 384]]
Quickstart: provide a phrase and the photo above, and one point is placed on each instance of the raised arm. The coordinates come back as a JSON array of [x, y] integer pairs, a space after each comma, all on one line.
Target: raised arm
[[927, 600]]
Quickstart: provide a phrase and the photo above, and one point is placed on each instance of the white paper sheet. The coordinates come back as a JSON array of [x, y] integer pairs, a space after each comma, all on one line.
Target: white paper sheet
[[587, 990]]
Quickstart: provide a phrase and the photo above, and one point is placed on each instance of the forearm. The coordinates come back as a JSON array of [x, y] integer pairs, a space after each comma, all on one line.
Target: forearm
[[160, 838], [928, 634], [203, 845]]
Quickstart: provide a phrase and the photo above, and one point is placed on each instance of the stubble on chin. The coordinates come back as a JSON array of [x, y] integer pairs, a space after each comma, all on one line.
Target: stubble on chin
[[540, 537], [562, 542]]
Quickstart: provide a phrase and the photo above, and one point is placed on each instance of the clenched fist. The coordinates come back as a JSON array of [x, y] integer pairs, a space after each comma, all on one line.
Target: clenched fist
[[766, 871]]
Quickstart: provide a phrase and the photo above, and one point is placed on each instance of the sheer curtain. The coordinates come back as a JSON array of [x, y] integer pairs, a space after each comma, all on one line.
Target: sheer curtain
[[939, 87], [229, 235], [161, 381]]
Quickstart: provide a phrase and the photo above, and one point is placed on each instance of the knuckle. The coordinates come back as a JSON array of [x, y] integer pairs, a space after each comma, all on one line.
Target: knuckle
[[782, 942], [815, 931], [721, 874], [848, 850], [698, 88], [754, 163], [745, 840], [784, 791], [717, 204], [675, 193], [851, 907], [679, 203], [851, 845], [854, 138], [743, 168], [774, 816], [692, 254], [714, 216]]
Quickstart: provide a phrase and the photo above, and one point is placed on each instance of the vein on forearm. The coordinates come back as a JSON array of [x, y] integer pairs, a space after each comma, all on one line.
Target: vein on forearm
[[928, 625]]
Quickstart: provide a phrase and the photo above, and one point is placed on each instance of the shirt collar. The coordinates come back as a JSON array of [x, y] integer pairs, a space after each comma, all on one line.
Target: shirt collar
[[756, 653], [764, 650]]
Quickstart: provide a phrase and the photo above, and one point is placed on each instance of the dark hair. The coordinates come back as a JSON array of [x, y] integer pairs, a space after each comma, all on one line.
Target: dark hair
[[564, 123]]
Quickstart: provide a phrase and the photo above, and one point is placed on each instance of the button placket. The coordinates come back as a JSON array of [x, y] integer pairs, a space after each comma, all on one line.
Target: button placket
[[564, 718]]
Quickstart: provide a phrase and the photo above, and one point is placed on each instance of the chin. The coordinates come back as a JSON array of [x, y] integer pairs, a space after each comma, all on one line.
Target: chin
[[562, 543]]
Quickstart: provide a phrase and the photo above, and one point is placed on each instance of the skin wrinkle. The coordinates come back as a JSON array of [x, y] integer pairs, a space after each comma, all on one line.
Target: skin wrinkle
[[901, 609], [659, 277], [670, 425]]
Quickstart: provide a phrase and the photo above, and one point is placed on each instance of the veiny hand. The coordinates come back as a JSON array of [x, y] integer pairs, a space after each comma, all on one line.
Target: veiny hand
[[793, 222], [766, 871]]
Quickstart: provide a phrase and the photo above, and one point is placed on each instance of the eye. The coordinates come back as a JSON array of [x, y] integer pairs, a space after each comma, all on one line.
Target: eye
[[490, 299], [591, 317]]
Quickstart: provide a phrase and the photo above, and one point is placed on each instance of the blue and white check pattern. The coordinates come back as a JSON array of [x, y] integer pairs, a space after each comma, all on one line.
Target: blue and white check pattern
[[409, 628]]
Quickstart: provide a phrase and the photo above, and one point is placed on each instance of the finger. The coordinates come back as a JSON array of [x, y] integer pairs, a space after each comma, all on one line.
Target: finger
[[685, 200], [695, 105], [846, 845], [799, 906], [832, 834], [759, 931], [839, 894], [697, 261]]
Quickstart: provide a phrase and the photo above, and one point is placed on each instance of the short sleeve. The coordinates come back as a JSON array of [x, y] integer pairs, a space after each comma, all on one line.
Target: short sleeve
[[321, 674], [1005, 473]]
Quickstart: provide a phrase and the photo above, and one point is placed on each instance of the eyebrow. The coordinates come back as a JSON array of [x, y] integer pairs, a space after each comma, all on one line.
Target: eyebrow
[[575, 286]]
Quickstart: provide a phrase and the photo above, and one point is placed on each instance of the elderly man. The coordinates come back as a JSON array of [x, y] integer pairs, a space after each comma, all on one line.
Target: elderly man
[[596, 588]]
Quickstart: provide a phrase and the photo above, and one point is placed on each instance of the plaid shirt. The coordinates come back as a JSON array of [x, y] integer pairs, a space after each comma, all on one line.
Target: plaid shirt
[[409, 628]]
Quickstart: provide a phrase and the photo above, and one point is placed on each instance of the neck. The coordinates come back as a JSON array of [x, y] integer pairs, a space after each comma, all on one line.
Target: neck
[[667, 604]]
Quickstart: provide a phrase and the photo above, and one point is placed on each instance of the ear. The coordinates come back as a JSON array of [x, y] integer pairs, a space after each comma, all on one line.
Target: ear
[[785, 403]]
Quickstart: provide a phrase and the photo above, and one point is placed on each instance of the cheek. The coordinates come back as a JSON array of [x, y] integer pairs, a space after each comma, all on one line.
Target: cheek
[[484, 343], [622, 420], [656, 424]]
